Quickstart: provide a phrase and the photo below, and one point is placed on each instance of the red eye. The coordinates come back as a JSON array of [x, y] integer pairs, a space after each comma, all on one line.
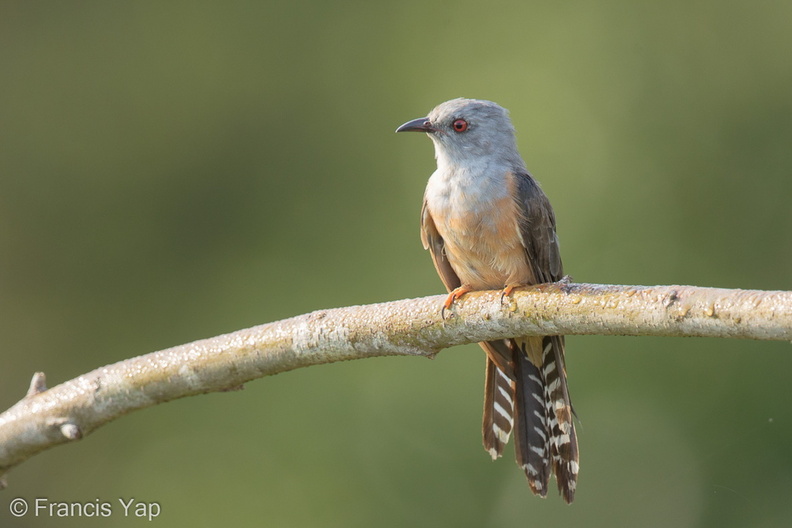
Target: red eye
[[460, 125]]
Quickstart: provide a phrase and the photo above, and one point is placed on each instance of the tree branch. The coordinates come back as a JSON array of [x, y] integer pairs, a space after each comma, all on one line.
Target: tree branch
[[48, 417]]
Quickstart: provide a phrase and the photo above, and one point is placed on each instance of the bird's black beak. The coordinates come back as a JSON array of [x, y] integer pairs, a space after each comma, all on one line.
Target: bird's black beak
[[422, 124]]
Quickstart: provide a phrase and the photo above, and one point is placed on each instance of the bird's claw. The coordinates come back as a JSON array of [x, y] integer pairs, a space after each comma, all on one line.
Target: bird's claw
[[508, 290], [455, 294]]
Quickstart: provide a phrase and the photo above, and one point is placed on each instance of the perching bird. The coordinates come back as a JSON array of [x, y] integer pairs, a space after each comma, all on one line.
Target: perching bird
[[488, 225]]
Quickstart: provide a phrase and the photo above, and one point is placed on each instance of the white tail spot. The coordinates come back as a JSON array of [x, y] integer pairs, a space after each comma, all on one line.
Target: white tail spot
[[549, 367], [505, 394], [528, 468], [540, 433], [502, 435], [503, 412]]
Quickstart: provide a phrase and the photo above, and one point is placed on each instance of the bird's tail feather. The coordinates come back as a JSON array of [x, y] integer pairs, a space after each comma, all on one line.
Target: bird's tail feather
[[533, 400], [531, 439], [563, 439], [498, 409]]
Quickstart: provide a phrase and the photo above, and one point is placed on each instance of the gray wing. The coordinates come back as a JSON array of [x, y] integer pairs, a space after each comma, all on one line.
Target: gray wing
[[538, 230]]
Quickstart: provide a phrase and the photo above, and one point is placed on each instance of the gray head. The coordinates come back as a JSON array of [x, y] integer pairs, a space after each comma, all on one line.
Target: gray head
[[469, 130]]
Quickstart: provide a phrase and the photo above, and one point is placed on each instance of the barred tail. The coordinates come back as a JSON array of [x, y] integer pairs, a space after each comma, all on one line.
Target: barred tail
[[563, 439], [525, 391], [498, 409], [498, 397], [531, 439], [545, 439]]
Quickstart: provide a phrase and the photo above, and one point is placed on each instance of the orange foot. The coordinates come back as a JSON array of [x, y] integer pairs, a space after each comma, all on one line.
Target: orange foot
[[455, 294], [509, 289]]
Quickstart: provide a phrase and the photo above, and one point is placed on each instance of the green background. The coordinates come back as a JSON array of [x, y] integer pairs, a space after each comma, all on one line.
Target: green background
[[175, 170]]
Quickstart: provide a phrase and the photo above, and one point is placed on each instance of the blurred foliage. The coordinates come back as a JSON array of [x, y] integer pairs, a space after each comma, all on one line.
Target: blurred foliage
[[174, 170]]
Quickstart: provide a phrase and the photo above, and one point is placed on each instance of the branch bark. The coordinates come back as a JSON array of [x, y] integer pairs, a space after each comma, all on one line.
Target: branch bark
[[47, 417]]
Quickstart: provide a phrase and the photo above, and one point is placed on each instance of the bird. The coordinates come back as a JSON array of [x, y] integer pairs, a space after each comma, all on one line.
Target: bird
[[488, 225]]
